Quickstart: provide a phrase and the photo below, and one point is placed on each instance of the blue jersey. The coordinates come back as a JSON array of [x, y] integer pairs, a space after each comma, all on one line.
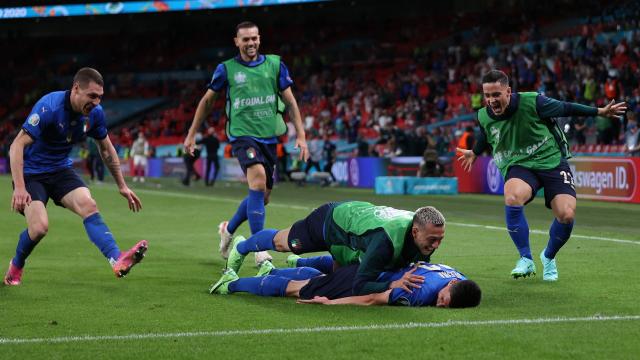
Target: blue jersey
[[55, 128], [436, 277], [219, 83]]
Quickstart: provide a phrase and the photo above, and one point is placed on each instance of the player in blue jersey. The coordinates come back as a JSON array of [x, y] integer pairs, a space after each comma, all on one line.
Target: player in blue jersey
[[257, 87], [41, 170], [442, 286]]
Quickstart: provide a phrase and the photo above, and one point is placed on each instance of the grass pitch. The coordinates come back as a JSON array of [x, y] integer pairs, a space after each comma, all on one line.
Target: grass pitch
[[70, 305]]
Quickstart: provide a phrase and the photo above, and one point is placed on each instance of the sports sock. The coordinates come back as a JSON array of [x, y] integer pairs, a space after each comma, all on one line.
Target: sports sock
[[559, 233], [260, 241], [322, 263], [299, 273], [100, 235], [24, 248], [255, 210], [518, 229], [262, 286], [239, 217]]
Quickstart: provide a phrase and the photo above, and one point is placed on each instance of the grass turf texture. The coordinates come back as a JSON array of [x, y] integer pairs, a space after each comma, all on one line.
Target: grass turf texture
[[69, 290]]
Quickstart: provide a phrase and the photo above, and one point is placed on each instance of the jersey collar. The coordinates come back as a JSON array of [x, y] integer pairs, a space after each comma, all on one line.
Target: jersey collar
[[257, 62], [514, 101], [67, 104]]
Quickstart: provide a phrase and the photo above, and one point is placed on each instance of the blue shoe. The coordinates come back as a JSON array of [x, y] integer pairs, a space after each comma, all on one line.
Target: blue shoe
[[524, 267], [222, 286], [292, 260], [235, 259], [265, 268], [550, 270]]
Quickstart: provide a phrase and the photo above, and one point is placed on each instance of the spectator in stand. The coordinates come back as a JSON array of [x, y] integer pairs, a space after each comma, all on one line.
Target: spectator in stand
[[212, 144]]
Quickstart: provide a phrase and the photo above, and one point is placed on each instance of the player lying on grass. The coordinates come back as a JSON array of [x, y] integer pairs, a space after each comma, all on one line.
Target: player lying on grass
[[442, 286], [388, 239]]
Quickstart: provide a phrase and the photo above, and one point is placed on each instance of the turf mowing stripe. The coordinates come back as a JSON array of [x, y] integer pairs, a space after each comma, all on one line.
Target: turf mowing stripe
[[322, 329], [297, 207]]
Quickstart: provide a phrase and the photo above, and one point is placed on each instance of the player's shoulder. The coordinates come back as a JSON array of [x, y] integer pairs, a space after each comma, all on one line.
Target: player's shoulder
[[51, 102]]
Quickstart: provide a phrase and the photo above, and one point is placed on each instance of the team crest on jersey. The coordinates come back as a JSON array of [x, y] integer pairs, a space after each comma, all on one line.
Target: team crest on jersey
[[240, 77], [33, 120], [86, 125], [495, 132], [251, 153], [295, 244]]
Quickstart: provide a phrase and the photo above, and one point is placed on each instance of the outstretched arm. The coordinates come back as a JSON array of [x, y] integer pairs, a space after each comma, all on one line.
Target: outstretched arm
[[111, 160], [205, 106], [366, 300], [294, 114], [549, 107]]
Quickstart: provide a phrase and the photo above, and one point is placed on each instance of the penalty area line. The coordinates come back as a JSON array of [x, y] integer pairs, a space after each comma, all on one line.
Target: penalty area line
[[321, 329]]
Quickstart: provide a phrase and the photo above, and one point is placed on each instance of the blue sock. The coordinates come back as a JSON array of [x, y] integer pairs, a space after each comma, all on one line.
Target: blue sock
[[262, 286], [322, 263], [255, 210], [239, 217], [518, 229], [559, 233], [260, 241], [299, 273], [24, 248], [100, 235]]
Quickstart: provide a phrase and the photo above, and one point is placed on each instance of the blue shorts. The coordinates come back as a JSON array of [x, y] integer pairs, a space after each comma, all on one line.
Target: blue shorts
[[250, 152], [336, 285], [54, 185], [307, 235], [555, 181]]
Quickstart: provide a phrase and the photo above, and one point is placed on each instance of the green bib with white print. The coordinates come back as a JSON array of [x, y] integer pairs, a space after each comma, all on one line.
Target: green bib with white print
[[254, 107], [523, 139]]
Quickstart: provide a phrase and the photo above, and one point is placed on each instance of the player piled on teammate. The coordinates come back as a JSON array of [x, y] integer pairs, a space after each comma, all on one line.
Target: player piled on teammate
[[41, 169], [387, 239], [531, 151], [257, 89], [442, 286]]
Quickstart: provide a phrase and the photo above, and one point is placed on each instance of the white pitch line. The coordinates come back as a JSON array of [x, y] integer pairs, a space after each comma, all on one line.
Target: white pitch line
[[298, 207], [322, 329], [542, 232]]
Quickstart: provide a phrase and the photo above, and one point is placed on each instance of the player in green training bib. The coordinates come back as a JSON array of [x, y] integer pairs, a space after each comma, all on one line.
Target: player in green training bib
[[530, 151], [257, 89], [382, 237]]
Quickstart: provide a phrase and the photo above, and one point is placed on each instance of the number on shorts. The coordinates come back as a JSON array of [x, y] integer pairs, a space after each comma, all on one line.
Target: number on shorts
[[568, 177]]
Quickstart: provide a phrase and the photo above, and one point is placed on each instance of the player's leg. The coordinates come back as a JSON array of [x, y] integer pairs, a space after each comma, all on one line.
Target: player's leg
[[322, 263], [560, 196], [257, 179], [71, 193], [269, 285], [37, 227], [267, 239], [519, 189]]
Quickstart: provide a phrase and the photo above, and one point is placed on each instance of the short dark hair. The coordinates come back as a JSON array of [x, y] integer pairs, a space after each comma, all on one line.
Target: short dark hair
[[86, 75], [465, 293], [245, 25], [496, 76]]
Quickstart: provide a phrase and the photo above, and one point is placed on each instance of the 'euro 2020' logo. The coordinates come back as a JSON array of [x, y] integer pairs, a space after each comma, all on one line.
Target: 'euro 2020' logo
[[493, 176]]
